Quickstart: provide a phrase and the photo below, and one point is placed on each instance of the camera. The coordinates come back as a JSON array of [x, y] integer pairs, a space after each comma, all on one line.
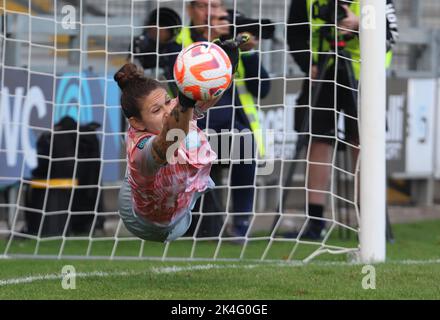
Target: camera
[[330, 12], [252, 26]]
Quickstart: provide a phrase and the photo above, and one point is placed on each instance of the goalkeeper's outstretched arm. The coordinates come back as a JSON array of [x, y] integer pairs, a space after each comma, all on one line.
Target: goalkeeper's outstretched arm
[[176, 125], [178, 119]]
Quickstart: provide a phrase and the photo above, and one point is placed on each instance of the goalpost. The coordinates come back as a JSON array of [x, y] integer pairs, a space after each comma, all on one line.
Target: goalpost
[[373, 106], [58, 61]]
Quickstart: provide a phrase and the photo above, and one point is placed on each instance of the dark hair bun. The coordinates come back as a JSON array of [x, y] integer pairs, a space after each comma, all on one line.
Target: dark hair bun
[[128, 73]]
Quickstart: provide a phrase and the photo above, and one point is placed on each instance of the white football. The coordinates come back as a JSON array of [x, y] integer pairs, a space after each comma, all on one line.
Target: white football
[[203, 71]]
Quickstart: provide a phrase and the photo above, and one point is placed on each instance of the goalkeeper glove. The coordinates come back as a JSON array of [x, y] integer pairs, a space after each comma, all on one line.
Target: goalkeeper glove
[[185, 102], [231, 47]]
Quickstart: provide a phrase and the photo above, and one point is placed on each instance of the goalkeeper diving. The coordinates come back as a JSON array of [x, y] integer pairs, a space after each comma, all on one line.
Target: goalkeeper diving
[[166, 172]]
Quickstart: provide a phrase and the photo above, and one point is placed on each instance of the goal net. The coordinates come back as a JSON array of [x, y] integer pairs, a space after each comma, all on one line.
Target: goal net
[[62, 133]]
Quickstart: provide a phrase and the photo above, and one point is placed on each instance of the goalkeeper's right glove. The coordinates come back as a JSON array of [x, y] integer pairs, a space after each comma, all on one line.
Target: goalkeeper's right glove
[[231, 47]]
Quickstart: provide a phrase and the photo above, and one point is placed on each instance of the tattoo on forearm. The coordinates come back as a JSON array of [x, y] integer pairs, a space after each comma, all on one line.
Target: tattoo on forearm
[[159, 151], [176, 114]]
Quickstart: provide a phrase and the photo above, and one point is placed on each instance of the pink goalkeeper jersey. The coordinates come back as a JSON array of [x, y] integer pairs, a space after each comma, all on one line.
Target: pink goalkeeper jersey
[[164, 193]]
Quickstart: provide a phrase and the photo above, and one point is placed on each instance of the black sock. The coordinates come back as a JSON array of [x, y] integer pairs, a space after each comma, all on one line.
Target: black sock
[[316, 210]]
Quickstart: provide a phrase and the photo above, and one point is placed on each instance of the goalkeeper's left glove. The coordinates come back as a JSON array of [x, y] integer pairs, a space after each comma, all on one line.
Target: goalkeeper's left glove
[[231, 47], [185, 102]]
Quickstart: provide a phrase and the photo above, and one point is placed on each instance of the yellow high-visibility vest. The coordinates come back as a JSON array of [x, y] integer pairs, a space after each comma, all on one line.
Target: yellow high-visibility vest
[[246, 98], [184, 37], [352, 45]]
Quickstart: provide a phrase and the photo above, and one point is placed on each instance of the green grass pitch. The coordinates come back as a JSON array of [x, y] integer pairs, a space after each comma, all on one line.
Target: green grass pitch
[[412, 271]]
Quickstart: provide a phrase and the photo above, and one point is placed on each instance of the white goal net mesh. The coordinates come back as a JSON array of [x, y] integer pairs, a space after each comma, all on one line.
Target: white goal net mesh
[[62, 136]]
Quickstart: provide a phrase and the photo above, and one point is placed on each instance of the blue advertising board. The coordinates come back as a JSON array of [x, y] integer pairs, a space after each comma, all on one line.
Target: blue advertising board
[[31, 104]]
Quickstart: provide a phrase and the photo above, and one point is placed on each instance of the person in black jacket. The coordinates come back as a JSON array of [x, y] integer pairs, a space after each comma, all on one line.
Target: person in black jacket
[[327, 46]]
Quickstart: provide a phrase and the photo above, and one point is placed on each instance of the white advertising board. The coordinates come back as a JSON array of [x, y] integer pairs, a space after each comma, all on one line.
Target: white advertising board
[[420, 134]]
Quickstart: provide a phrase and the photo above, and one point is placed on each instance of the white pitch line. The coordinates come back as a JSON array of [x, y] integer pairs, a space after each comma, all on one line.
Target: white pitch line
[[54, 276], [158, 270], [430, 261], [176, 269]]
